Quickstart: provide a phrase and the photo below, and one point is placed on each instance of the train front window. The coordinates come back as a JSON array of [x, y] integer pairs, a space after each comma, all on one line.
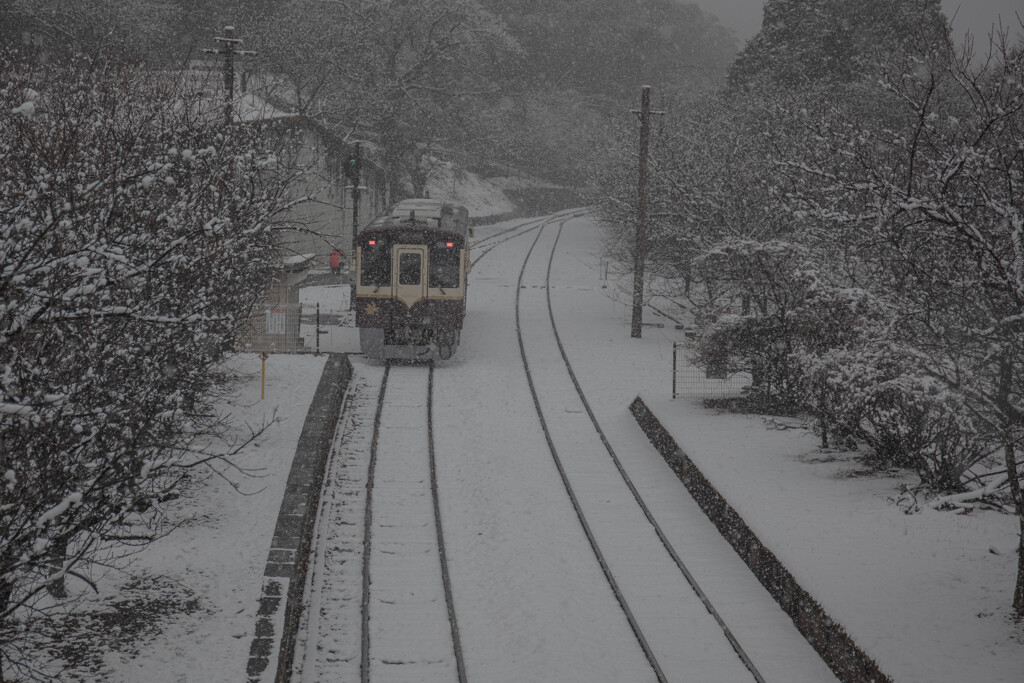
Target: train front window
[[409, 268], [375, 266], [444, 266]]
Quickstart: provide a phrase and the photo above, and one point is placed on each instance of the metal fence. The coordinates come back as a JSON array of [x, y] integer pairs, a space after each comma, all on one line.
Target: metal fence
[[275, 329], [310, 326], [326, 329], [691, 381]]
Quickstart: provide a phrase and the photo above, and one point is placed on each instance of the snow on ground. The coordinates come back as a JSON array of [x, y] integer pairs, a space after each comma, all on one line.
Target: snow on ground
[[478, 195], [531, 600], [214, 561], [926, 594]]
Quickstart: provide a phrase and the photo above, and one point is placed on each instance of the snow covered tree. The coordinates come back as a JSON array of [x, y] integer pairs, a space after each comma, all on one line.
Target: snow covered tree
[[803, 42], [151, 29], [135, 240], [311, 47], [934, 204], [771, 281], [712, 180], [406, 75], [427, 67]]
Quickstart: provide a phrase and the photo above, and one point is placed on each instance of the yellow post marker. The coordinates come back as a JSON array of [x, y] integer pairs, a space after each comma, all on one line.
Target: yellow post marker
[[263, 374]]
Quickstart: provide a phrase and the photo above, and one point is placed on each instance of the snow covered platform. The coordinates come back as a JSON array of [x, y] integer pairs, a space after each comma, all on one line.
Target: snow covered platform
[[923, 593]]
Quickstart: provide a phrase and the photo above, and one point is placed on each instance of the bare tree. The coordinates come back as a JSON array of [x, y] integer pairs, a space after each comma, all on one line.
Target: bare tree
[[935, 202], [136, 240]]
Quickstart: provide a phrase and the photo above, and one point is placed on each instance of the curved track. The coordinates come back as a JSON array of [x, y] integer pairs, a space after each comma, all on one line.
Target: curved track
[[625, 578], [489, 242], [409, 628]]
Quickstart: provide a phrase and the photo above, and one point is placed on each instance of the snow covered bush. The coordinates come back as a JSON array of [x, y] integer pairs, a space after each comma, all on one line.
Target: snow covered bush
[[760, 346], [872, 394], [834, 325], [134, 241], [766, 281], [812, 344], [916, 423], [931, 205]]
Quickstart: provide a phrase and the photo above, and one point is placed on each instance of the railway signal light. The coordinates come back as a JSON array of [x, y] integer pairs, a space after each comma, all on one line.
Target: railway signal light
[[353, 166]]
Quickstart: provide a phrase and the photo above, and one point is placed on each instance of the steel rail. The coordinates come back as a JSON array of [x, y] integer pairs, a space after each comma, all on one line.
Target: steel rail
[[530, 223], [364, 662], [364, 667], [605, 568], [460, 664], [632, 488], [530, 226]]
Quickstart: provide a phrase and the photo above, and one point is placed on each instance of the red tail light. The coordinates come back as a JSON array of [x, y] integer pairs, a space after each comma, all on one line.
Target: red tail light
[[449, 244], [372, 243]]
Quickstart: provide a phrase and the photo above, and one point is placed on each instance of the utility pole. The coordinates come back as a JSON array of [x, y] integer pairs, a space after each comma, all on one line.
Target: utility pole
[[229, 49], [640, 255], [353, 168]]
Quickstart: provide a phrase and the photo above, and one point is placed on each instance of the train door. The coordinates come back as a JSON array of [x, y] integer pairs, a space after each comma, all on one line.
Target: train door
[[410, 274]]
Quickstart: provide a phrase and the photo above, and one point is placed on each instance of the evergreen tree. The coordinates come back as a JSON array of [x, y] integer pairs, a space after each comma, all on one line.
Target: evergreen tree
[[803, 42]]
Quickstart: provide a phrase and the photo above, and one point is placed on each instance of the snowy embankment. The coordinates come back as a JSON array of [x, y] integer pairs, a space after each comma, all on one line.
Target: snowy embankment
[[499, 197]]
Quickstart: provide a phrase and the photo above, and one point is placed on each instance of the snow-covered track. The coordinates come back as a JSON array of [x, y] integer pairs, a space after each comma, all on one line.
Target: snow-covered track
[[409, 629], [489, 242], [598, 496]]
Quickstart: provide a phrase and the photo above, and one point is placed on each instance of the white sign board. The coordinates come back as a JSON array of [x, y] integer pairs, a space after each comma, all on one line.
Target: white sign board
[[275, 321]]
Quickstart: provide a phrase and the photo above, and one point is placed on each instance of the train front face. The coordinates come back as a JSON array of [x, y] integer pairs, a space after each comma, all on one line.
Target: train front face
[[410, 295]]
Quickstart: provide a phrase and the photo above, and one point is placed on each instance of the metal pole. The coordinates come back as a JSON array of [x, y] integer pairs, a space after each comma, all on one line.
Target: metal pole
[[354, 176], [639, 256], [675, 367], [355, 172]]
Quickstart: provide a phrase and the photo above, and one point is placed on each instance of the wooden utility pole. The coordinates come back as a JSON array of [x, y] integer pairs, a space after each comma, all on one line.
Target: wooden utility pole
[[639, 254], [229, 49]]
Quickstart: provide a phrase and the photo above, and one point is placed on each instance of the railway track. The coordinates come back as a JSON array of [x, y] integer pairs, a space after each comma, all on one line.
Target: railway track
[[491, 241], [606, 501], [409, 628]]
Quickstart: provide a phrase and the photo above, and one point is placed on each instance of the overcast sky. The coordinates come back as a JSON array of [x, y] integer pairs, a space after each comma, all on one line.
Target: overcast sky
[[976, 16]]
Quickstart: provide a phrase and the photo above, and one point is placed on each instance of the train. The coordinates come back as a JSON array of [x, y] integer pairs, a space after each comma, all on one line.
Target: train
[[410, 277]]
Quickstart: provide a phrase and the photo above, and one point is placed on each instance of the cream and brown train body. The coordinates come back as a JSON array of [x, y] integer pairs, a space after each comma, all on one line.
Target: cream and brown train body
[[411, 269]]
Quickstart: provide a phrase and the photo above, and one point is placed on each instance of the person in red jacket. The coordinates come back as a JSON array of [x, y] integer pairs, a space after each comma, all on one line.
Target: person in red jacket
[[336, 257]]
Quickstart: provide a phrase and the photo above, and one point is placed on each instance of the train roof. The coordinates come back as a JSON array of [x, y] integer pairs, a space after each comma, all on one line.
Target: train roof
[[435, 213], [388, 221], [427, 208], [383, 225]]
